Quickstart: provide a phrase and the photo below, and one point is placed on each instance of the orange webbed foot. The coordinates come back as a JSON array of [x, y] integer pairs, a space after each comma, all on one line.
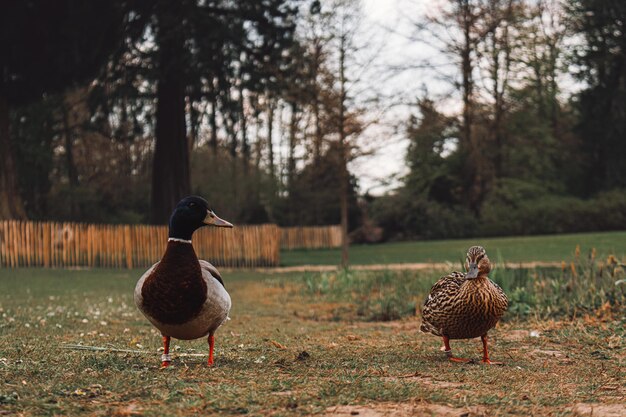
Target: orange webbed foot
[[487, 361]]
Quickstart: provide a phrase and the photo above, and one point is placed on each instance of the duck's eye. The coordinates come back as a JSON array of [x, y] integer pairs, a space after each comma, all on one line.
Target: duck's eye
[[192, 204]]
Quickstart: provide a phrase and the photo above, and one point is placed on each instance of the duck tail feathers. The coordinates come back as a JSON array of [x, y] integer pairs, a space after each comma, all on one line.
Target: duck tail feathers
[[426, 327]]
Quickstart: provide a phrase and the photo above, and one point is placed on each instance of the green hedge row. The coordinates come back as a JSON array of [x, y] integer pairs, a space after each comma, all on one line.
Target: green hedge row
[[512, 208]]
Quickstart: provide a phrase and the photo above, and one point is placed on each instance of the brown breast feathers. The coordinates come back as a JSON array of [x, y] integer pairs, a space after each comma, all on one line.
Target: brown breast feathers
[[463, 308], [175, 291]]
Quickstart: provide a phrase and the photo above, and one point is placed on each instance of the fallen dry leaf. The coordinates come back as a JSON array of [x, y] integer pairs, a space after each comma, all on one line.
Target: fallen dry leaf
[[278, 345]]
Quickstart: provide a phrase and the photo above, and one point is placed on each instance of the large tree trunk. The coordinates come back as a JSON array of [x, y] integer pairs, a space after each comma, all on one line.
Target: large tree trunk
[[170, 170], [11, 206]]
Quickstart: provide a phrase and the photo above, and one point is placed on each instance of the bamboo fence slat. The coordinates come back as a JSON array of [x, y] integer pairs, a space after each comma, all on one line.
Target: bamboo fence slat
[[52, 244], [311, 237]]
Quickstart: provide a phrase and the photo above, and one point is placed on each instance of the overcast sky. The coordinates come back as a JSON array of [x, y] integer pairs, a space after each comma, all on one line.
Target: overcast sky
[[391, 22]]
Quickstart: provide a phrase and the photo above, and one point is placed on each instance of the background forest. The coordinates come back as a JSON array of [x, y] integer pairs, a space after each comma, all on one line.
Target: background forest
[[110, 111]]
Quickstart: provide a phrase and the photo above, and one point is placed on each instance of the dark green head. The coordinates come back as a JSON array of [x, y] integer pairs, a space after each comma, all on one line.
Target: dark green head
[[190, 214]]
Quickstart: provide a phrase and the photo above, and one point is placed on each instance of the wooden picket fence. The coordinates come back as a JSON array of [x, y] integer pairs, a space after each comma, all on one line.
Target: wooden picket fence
[[51, 244], [310, 237]]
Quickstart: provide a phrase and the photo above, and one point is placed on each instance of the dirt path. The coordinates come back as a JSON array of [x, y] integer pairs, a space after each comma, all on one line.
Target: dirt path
[[398, 267]]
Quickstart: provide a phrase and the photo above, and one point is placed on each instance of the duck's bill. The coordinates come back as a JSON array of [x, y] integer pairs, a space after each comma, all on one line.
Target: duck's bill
[[212, 220], [472, 272]]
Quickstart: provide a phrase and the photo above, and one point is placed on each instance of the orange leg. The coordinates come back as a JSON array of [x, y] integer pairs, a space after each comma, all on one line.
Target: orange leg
[[211, 346], [486, 352], [165, 358], [448, 350]]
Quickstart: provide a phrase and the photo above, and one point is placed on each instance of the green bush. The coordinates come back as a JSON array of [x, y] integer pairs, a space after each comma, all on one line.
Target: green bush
[[522, 211], [405, 217], [513, 207]]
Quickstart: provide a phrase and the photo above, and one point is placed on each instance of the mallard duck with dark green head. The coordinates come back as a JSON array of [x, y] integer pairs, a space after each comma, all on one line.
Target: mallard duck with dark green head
[[182, 296]]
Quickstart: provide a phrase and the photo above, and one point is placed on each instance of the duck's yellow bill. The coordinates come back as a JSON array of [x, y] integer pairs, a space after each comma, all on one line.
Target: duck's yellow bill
[[212, 220]]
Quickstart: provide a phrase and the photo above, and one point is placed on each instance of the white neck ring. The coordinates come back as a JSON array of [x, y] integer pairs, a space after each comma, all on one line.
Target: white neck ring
[[175, 239]]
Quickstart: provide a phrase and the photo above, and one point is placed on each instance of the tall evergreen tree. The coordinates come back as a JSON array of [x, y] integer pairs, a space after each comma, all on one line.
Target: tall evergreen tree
[[196, 50], [427, 138], [45, 47], [602, 105]]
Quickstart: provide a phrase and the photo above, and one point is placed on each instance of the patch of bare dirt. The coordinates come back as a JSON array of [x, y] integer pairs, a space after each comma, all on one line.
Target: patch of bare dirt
[[599, 410], [403, 409]]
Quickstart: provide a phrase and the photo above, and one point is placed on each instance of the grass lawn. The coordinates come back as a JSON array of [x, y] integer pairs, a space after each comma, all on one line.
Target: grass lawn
[[286, 352], [550, 248]]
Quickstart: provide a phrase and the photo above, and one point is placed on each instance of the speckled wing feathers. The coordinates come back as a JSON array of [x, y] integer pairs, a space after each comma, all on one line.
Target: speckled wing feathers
[[501, 295], [437, 300]]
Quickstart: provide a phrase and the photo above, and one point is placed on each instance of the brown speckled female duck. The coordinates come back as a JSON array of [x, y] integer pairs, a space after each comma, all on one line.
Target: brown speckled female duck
[[464, 306], [182, 296]]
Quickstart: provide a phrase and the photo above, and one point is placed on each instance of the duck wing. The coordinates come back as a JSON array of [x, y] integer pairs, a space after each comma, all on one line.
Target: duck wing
[[218, 304], [500, 298], [438, 303], [207, 267]]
